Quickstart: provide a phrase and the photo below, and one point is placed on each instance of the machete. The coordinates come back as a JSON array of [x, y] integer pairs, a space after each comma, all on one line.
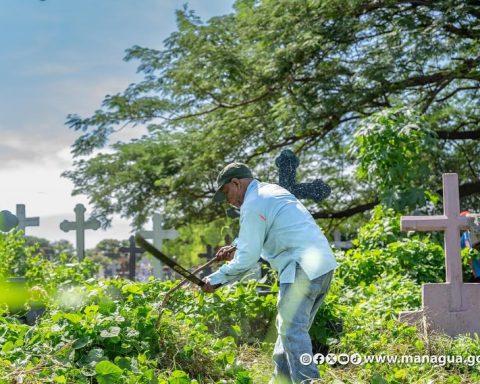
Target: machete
[[167, 260]]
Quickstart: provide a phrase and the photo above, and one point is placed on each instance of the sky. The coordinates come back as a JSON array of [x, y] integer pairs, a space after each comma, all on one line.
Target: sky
[[60, 57]]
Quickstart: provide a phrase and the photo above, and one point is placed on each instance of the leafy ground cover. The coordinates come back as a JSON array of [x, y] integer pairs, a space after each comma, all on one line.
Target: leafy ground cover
[[105, 331]]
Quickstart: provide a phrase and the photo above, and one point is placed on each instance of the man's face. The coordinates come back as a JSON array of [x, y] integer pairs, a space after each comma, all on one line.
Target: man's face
[[233, 192]]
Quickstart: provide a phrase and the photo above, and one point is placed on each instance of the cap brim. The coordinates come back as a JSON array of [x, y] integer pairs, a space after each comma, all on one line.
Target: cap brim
[[219, 196]]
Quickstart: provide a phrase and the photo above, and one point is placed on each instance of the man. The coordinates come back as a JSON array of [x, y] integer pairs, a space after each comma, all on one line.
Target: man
[[274, 225]]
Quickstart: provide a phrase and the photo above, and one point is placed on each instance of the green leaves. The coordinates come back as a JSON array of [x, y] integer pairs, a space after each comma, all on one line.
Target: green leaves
[[111, 332], [395, 149], [107, 372]]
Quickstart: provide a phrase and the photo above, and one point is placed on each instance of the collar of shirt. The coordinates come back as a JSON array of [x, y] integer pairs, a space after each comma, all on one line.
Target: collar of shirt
[[252, 186]]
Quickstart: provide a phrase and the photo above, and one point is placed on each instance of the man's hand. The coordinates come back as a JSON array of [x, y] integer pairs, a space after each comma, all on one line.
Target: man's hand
[[209, 288], [225, 253]]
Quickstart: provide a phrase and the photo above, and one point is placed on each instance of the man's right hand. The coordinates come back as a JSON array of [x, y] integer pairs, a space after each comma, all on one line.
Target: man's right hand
[[225, 253]]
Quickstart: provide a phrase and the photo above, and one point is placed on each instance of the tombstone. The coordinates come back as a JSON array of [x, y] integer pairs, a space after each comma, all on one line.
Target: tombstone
[[110, 270], [132, 251], [287, 164], [80, 225], [8, 221], [168, 273], [144, 270], [208, 255], [451, 307], [158, 234], [24, 221], [338, 242], [122, 266]]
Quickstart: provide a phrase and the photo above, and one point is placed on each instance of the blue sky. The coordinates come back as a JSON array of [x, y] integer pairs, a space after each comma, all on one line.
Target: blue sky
[[60, 57]]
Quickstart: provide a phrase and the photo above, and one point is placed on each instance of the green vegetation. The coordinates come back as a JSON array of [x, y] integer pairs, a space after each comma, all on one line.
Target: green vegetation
[[104, 331]]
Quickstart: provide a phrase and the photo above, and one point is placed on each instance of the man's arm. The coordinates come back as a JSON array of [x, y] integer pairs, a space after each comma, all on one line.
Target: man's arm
[[250, 241]]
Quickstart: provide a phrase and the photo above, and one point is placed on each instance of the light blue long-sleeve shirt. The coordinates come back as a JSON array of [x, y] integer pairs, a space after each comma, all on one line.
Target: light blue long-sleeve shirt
[[276, 226]]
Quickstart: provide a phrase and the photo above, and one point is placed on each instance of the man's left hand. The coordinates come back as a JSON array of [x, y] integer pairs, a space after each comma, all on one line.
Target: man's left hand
[[209, 288]]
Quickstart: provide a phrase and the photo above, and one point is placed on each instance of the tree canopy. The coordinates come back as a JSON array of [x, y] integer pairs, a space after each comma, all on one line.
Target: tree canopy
[[377, 98]]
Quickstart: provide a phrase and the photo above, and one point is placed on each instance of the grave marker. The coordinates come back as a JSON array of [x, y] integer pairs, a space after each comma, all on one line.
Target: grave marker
[[132, 250], [338, 242], [208, 255], [80, 225], [23, 220], [452, 307], [158, 234], [287, 164]]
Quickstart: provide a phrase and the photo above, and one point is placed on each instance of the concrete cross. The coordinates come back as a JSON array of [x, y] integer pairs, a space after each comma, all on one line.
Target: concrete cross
[[338, 242], [452, 307], [287, 164], [208, 255], [80, 225], [158, 234], [450, 223], [132, 250], [8, 221], [23, 220]]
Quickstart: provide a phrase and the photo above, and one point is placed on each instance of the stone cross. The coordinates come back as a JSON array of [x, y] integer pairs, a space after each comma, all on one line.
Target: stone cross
[[158, 234], [338, 242], [80, 225], [287, 164], [23, 220], [208, 255], [452, 307], [8, 221], [132, 250]]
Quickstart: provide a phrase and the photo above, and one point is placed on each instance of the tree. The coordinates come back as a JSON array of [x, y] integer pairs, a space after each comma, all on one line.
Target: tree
[[51, 250], [315, 76]]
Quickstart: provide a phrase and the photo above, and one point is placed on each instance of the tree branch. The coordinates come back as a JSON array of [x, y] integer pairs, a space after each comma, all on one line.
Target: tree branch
[[451, 135], [347, 212], [223, 106]]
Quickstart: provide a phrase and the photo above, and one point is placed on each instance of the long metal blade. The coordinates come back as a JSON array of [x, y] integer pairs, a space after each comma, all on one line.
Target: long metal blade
[[167, 260]]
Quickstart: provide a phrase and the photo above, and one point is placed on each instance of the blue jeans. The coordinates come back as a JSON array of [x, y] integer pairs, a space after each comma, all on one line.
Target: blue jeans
[[297, 305]]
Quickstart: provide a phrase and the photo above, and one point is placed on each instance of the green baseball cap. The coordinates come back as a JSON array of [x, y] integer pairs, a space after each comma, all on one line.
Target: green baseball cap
[[231, 171]]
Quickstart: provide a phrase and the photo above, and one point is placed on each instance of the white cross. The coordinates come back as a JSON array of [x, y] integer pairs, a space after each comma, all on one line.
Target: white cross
[[23, 220], [337, 241], [451, 223], [158, 234], [80, 225]]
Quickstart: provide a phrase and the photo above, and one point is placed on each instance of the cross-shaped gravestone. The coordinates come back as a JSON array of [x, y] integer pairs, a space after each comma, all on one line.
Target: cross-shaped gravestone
[[132, 250], [144, 270], [23, 220], [452, 307], [338, 242], [208, 255], [287, 164], [80, 225], [158, 234], [8, 221]]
